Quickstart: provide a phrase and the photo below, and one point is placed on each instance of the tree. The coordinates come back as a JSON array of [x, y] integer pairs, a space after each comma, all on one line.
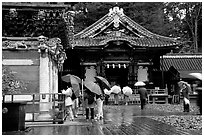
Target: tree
[[10, 83], [150, 15], [188, 19]]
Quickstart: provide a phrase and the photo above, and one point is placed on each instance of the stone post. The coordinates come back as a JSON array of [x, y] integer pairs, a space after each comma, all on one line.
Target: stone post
[[44, 79]]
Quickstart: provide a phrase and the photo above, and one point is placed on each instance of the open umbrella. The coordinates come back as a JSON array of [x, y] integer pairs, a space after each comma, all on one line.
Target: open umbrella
[[127, 91], [71, 78], [140, 83], [196, 75], [107, 92], [74, 80], [93, 87], [115, 89], [104, 82]]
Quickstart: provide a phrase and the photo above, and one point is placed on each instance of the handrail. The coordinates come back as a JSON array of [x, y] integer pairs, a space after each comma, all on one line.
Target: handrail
[[34, 100]]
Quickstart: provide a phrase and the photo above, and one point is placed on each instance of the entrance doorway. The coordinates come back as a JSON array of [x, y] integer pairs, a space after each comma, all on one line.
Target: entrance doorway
[[117, 76]]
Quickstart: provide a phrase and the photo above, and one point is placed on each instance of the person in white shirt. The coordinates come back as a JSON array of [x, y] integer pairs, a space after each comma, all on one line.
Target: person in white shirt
[[68, 102]]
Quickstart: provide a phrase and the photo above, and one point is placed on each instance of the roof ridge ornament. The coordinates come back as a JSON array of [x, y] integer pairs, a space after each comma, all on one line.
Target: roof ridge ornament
[[115, 10]]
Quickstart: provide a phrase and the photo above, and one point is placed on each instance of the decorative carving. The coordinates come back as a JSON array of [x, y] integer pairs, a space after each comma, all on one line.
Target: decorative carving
[[41, 14], [116, 21], [13, 13], [61, 57], [115, 10], [68, 17], [42, 44]]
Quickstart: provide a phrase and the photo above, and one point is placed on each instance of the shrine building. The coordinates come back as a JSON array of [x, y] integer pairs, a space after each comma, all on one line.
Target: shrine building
[[119, 49]]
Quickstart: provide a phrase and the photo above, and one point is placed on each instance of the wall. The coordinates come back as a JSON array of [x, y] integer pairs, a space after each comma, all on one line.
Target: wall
[[25, 66]]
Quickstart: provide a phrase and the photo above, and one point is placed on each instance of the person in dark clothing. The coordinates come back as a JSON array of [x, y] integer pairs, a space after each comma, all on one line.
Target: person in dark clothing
[[143, 96], [185, 90], [89, 100]]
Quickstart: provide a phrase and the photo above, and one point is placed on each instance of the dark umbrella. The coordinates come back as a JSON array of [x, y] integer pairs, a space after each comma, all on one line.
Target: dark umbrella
[[74, 80], [103, 82], [93, 87]]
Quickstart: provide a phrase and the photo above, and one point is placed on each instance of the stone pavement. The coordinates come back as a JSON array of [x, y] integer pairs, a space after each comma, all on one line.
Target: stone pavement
[[118, 120]]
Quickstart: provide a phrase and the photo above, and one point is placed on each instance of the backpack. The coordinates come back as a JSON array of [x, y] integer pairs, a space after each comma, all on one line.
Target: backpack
[[90, 98]]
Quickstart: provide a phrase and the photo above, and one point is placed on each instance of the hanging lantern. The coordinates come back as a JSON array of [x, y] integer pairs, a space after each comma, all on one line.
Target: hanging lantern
[[113, 65], [124, 65], [119, 65], [108, 65]]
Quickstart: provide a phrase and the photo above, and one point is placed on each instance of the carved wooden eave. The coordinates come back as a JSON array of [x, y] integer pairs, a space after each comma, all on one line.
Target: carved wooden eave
[[51, 47], [116, 26]]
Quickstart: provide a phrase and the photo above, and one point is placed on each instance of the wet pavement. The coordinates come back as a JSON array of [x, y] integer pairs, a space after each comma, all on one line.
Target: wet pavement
[[118, 120]]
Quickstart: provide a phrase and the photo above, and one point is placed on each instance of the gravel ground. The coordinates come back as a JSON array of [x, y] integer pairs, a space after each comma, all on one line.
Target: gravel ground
[[186, 121], [173, 108]]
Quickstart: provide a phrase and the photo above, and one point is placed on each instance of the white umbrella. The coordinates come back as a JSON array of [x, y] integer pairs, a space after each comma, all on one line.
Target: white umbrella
[[107, 92], [140, 83], [116, 89], [196, 75], [127, 91]]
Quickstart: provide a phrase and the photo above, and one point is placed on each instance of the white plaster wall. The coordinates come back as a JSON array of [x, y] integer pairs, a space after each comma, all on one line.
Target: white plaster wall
[[90, 73], [142, 73]]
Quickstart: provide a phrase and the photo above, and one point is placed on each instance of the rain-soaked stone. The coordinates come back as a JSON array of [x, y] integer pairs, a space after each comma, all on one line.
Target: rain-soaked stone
[[125, 120]]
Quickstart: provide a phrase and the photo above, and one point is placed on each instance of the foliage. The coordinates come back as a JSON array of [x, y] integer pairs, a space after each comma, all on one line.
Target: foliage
[[10, 83], [187, 18], [173, 19]]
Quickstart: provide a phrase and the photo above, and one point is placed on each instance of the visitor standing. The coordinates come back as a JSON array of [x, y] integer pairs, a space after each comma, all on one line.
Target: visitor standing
[[185, 90], [68, 102], [99, 102], [127, 91], [89, 100], [75, 106], [116, 90], [143, 95]]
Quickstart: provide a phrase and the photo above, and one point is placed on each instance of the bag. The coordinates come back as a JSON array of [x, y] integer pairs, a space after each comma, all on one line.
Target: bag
[[186, 101], [73, 97]]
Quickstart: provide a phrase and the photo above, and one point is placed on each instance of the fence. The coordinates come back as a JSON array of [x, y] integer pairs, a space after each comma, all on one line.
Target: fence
[[154, 96], [50, 105]]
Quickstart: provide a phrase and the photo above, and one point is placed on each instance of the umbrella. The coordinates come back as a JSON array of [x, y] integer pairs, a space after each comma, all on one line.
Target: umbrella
[[93, 87], [103, 81], [74, 80], [140, 83], [116, 89], [107, 92], [71, 78], [196, 75], [127, 91], [183, 82]]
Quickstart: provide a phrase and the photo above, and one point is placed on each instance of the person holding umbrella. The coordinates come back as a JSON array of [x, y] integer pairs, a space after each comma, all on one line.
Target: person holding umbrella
[[127, 91], [90, 97], [116, 90], [104, 85], [74, 81], [107, 95], [185, 90], [68, 102], [143, 93]]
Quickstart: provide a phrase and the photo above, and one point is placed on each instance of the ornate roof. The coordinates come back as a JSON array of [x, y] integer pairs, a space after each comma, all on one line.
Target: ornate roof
[[116, 26], [183, 62]]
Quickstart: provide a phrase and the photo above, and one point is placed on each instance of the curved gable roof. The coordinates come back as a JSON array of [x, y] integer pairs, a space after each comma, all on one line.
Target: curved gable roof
[[142, 37]]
